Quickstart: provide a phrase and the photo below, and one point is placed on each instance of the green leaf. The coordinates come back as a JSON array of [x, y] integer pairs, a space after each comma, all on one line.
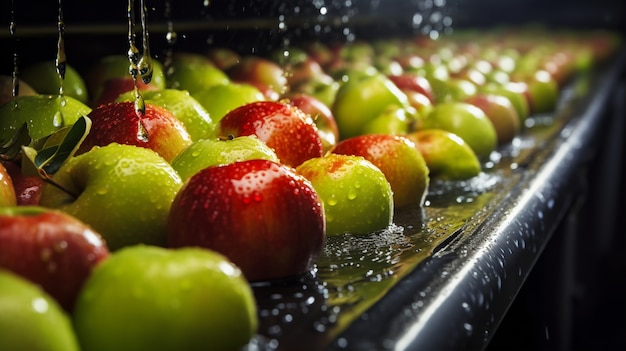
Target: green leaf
[[56, 149], [11, 148]]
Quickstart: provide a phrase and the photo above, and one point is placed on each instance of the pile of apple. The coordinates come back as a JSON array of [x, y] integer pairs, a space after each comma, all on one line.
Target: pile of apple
[[135, 210]]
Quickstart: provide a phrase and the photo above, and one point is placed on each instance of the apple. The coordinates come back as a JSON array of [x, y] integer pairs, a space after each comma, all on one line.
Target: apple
[[318, 51], [265, 218], [268, 76], [214, 152], [45, 79], [420, 102], [195, 118], [502, 114], [223, 58], [447, 156], [392, 120], [193, 72], [50, 248], [27, 189], [43, 114], [516, 92], [465, 120], [6, 89], [157, 129], [122, 191], [151, 298], [220, 99], [283, 127], [323, 87], [7, 189], [398, 159], [110, 76], [543, 92], [414, 82], [360, 100], [357, 197], [454, 89], [31, 319], [320, 113]]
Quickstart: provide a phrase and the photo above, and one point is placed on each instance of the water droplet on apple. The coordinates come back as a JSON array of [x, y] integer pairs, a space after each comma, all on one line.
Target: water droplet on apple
[[332, 201], [352, 194], [102, 191], [57, 119]]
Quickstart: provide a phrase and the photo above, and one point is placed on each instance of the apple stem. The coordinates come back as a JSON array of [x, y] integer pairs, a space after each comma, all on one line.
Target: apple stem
[[60, 187]]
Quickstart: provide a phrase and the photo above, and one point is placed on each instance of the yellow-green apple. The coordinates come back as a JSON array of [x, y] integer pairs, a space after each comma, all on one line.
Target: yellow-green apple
[[465, 120], [27, 189], [222, 57], [7, 188], [414, 82], [516, 92], [122, 191], [322, 86], [320, 113], [50, 248], [454, 89], [31, 319], [362, 99], [6, 89], [283, 127], [543, 91], [220, 99], [357, 197], [398, 159], [447, 156], [196, 119], [45, 79], [392, 120], [42, 114], [151, 298], [268, 76], [264, 217], [420, 102], [193, 72], [501, 112], [110, 76], [215, 152], [120, 122]]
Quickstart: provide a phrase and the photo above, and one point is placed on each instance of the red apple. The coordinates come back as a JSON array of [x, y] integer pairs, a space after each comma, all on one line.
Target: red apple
[[320, 113], [265, 218], [120, 122], [283, 127], [413, 82], [114, 87], [27, 188], [398, 159], [268, 76], [501, 112], [50, 248]]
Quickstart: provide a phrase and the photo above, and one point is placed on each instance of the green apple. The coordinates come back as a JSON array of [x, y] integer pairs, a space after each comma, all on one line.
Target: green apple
[[398, 159], [501, 112], [357, 197], [122, 191], [361, 100], [43, 77], [214, 152], [393, 120], [43, 114], [515, 92], [31, 319], [465, 120], [543, 92], [151, 298], [194, 72], [220, 99], [447, 156], [454, 89], [7, 189], [196, 119], [6, 88], [323, 87]]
